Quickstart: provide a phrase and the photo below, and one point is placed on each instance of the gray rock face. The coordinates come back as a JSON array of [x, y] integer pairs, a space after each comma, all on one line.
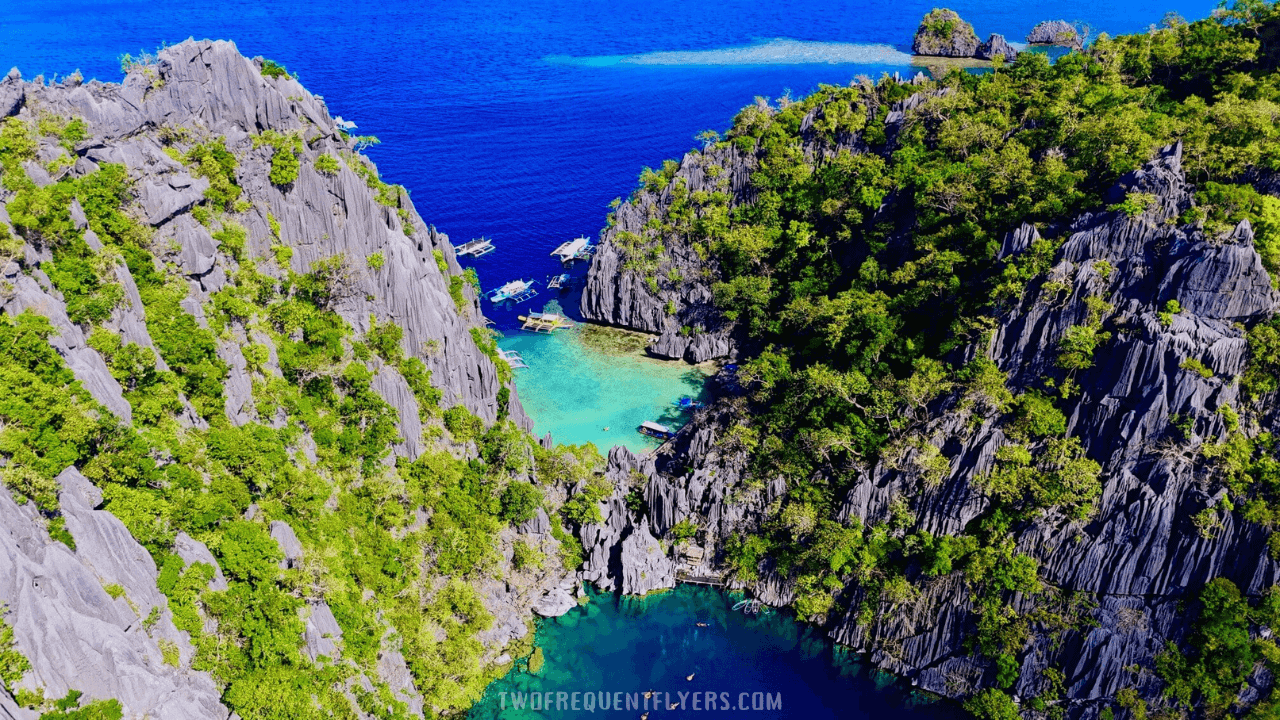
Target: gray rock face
[[12, 94], [1055, 32], [322, 633], [163, 200], [210, 89], [193, 551], [289, 544], [645, 566], [539, 524], [943, 34], [618, 295], [1139, 556], [75, 633], [996, 45], [555, 602], [71, 629]]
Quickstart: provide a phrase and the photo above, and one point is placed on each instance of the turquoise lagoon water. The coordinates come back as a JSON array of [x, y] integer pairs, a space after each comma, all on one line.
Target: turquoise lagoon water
[[634, 645], [580, 395]]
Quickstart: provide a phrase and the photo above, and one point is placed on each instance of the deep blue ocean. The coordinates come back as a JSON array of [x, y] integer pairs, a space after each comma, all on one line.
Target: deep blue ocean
[[491, 137], [521, 120]]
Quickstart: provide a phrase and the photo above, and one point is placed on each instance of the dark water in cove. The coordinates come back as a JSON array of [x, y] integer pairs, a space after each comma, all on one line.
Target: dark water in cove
[[631, 645], [520, 120]]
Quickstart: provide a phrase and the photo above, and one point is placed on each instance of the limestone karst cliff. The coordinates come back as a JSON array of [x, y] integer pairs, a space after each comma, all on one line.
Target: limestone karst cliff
[[1037, 515], [237, 330], [1137, 558]]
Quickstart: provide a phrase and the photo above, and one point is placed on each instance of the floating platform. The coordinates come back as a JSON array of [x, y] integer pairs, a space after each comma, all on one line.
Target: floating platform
[[513, 358], [576, 249], [515, 291], [544, 322], [655, 430], [475, 248], [559, 282]]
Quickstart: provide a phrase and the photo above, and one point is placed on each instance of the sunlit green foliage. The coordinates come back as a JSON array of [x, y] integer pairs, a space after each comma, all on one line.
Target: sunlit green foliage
[[285, 155]]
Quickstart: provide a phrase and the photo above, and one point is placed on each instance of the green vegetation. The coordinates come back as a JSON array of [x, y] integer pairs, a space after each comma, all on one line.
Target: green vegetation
[[285, 156], [214, 162], [315, 452], [1222, 654], [69, 708], [13, 664], [327, 164], [526, 556], [1197, 367], [273, 69]]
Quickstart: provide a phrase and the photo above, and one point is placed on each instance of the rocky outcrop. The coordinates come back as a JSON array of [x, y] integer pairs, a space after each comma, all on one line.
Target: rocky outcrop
[[1056, 32], [12, 94], [996, 46], [76, 632], [555, 602], [670, 297], [644, 562], [943, 34], [78, 614], [660, 283], [1137, 559], [207, 89]]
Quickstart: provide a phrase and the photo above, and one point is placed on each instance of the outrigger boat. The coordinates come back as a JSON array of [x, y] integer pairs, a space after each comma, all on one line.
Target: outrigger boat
[[575, 249], [515, 291], [513, 358], [655, 430], [559, 282], [544, 322], [753, 607], [475, 248], [688, 403]]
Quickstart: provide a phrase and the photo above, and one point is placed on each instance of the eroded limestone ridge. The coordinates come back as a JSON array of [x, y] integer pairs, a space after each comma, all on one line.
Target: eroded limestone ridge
[[1135, 561], [81, 594]]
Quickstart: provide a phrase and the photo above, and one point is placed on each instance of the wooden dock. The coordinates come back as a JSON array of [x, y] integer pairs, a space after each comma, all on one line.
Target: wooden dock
[[713, 581]]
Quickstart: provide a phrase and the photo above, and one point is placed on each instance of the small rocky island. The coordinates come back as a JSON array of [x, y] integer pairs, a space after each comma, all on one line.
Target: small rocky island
[[1056, 32], [942, 33]]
